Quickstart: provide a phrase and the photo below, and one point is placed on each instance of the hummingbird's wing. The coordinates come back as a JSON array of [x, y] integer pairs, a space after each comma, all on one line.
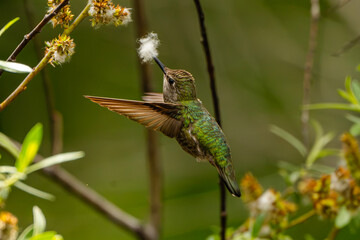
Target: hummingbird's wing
[[158, 116], [153, 97]]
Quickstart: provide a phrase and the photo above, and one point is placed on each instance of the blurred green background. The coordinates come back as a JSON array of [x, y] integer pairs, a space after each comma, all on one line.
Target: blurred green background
[[259, 49]]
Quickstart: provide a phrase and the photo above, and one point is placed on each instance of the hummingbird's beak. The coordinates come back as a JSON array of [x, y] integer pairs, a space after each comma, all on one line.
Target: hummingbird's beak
[[161, 65]]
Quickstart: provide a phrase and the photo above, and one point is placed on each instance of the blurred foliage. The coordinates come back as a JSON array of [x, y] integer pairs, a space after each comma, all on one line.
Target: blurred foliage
[[259, 50]]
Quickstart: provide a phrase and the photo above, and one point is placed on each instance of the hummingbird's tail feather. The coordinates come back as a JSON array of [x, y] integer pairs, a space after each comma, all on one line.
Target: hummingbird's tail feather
[[228, 176]]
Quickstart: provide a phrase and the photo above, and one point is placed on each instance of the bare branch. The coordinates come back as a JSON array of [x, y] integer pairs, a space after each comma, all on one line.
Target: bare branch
[[93, 199], [210, 68], [43, 62], [154, 163], [347, 46], [309, 64], [35, 31], [55, 118]]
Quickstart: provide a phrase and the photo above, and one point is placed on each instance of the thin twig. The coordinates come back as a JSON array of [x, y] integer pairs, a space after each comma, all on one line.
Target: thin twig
[[154, 164], [347, 46], [337, 6], [92, 198], [35, 31], [309, 64], [55, 118], [210, 68], [42, 63], [301, 219], [333, 233]]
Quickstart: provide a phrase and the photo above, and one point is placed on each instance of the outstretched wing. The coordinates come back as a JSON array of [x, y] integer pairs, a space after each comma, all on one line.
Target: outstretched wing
[[158, 116], [153, 97]]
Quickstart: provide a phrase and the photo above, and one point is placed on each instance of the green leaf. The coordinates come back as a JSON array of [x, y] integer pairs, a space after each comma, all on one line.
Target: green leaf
[[355, 129], [8, 169], [345, 95], [296, 143], [29, 148], [356, 90], [27, 233], [352, 118], [348, 84], [8, 25], [53, 160], [8, 145], [339, 106], [321, 141], [50, 235], [309, 237], [33, 191], [343, 218], [257, 225], [358, 68], [39, 221], [15, 67]]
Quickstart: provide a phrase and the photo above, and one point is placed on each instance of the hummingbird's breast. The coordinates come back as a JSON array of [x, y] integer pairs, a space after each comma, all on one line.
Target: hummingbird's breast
[[201, 136]]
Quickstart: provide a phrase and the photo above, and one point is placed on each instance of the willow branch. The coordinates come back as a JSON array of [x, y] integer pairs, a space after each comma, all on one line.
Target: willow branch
[[210, 68], [347, 46], [337, 6], [154, 163], [35, 31], [333, 233], [309, 64], [42, 63], [89, 196], [301, 219], [55, 118]]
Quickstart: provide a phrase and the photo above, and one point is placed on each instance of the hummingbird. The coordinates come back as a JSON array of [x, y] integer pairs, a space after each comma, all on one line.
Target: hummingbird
[[179, 114]]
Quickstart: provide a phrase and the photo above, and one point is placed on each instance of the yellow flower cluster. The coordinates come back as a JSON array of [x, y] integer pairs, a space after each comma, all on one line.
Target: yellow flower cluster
[[8, 226], [64, 17], [270, 202], [352, 155], [332, 191], [62, 48], [104, 12]]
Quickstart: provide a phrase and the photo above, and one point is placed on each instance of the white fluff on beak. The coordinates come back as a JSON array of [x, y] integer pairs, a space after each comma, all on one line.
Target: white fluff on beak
[[148, 47]]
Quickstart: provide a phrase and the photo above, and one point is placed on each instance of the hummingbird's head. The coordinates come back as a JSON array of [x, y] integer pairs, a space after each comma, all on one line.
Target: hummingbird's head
[[178, 85]]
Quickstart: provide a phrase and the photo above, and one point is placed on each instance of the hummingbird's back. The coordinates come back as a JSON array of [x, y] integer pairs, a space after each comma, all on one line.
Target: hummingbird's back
[[203, 138]]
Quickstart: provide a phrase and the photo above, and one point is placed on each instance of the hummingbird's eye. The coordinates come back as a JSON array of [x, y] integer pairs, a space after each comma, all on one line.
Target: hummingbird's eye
[[171, 81]]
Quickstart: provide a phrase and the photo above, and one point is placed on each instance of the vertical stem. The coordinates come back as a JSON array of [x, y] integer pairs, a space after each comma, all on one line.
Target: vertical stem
[[333, 233], [55, 119], [155, 168], [215, 99], [309, 64]]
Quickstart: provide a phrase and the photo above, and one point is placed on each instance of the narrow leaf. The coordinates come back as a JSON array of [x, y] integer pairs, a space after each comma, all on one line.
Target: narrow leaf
[[53, 160], [44, 236], [355, 129], [8, 169], [257, 225], [29, 148], [8, 145], [39, 221], [353, 118], [296, 143], [319, 131], [8, 25], [317, 148], [348, 84], [15, 67], [340, 106], [343, 218], [34, 191], [27, 233], [346, 96], [356, 90]]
